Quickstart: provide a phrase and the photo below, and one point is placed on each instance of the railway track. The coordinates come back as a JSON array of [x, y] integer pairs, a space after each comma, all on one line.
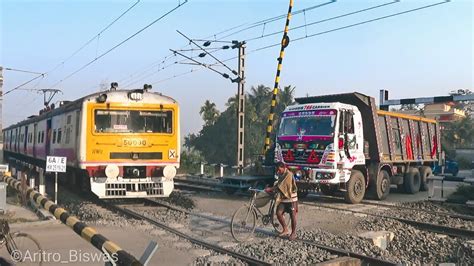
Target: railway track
[[135, 215], [430, 227], [366, 259]]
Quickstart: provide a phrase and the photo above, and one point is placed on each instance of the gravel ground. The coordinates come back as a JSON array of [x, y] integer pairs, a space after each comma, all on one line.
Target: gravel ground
[[439, 207], [284, 252], [430, 218], [418, 247]]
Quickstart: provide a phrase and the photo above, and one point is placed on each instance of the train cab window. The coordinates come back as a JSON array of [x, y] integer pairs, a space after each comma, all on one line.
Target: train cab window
[[131, 121]]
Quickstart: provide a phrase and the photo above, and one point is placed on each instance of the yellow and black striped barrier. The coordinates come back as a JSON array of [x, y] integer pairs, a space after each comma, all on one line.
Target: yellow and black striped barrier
[[86, 232], [284, 43]]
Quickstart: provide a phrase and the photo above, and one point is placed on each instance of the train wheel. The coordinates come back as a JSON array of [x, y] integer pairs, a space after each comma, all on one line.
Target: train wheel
[[355, 188], [412, 181], [425, 172]]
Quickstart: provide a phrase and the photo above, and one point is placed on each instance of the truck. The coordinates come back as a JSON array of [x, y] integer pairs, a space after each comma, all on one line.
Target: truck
[[342, 142]]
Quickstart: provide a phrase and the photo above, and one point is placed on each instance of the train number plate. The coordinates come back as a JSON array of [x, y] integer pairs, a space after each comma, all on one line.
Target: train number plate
[[134, 142]]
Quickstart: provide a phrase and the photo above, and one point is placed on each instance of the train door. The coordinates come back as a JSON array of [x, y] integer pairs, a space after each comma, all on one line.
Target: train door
[[35, 139], [15, 144], [25, 142], [48, 137]]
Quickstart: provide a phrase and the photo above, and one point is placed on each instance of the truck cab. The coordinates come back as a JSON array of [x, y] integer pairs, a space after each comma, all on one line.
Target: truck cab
[[343, 143]]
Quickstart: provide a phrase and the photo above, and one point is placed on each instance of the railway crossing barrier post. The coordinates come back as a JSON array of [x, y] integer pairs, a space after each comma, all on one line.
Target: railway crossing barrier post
[[202, 169], [221, 172], [42, 188], [86, 232]]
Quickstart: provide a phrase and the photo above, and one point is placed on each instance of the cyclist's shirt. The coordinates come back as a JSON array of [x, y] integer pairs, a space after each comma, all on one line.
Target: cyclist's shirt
[[287, 187]]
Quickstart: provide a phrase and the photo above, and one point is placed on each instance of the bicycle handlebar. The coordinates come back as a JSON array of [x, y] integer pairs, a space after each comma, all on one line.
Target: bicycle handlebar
[[256, 189]]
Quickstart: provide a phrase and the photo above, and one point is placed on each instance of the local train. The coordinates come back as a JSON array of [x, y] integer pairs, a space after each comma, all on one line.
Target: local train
[[118, 143]]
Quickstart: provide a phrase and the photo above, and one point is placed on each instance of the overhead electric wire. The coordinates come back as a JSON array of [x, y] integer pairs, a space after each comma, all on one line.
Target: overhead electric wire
[[204, 50], [355, 24], [272, 19], [325, 20], [95, 37], [201, 64], [73, 54], [23, 84], [121, 43], [333, 30], [21, 70]]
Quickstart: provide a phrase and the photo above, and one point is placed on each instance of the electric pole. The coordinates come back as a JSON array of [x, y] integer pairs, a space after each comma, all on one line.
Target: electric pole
[[1, 112], [241, 109]]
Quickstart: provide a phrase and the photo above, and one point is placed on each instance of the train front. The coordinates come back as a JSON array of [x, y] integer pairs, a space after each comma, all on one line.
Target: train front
[[132, 144]]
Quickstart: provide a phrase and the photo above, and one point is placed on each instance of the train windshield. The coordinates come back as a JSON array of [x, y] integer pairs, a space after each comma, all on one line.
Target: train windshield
[[299, 123], [131, 121]]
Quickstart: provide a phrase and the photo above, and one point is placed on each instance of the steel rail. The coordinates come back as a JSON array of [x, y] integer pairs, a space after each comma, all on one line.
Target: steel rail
[[434, 228], [245, 258], [367, 259], [388, 205]]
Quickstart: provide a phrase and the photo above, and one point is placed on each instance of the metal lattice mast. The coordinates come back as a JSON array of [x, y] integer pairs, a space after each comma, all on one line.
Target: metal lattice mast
[[284, 43], [241, 110]]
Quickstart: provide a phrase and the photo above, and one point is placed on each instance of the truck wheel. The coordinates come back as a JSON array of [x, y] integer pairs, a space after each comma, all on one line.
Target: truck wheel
[[412, 181], [328, 190], [380, 189], [425, 172], [355, 188]]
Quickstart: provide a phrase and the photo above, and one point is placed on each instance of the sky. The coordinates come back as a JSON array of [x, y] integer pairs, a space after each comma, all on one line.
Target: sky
[[419, 54]]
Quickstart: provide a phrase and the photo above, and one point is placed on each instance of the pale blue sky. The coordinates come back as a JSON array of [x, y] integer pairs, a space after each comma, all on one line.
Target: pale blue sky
[[424, 53]]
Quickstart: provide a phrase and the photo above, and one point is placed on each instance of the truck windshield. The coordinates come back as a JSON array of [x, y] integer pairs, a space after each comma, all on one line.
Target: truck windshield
[[295, 123], [131, 121]]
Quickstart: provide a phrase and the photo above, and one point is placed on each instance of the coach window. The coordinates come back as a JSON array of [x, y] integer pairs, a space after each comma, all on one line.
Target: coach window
[[42, 136], [59, 135], [54, 136]]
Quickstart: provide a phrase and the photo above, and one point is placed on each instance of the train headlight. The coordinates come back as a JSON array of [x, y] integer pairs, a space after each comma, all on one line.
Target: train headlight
[[112, 171], [169, 172], [102, 98]]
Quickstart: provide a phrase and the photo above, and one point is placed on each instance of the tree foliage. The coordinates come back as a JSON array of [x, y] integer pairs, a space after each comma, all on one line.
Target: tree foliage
[[216, 141]]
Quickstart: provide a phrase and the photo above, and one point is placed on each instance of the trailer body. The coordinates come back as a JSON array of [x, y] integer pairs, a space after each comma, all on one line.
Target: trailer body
[[342, 142]]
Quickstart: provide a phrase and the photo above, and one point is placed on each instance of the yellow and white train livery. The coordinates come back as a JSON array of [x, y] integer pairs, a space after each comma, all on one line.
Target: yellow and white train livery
[[118, 143]]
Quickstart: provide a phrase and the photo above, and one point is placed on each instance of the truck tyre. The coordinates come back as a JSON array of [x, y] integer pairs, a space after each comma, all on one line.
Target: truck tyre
[[412, 181], [425, 172], [355, 188], [328, 190], [380, 188]]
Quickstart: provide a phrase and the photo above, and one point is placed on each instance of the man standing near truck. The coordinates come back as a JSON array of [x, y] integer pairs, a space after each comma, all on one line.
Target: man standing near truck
[[287, 199]]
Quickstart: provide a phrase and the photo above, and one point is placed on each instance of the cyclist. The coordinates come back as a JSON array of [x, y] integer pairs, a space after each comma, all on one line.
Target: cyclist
[[287, 200]]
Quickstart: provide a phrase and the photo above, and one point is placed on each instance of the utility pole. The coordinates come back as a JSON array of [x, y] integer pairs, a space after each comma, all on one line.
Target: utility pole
[[241, 109]]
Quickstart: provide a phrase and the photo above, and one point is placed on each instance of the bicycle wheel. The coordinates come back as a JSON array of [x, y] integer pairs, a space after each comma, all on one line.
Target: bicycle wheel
[[24, 248], [276, 224], [243, 223]]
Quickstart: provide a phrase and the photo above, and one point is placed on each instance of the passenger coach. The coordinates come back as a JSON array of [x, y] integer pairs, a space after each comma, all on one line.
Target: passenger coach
[[118, 143]]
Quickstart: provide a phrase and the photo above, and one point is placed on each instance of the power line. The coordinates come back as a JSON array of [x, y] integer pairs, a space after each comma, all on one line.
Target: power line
[[21, 70], [272, 19], [325, 20], [121, 43], [202, 64], [355, 24], [23, 84], [206, 52], [95, 37], [333, 30]]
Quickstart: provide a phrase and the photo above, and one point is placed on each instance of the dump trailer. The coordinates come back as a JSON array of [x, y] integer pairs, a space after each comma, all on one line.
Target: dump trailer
[[344, 143]]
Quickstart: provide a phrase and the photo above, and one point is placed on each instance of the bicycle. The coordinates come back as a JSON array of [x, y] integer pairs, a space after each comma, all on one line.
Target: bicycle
[[244, 219], [22, 247]]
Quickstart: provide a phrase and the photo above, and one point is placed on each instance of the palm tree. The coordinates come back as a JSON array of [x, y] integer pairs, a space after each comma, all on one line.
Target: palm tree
[[209, 113]]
